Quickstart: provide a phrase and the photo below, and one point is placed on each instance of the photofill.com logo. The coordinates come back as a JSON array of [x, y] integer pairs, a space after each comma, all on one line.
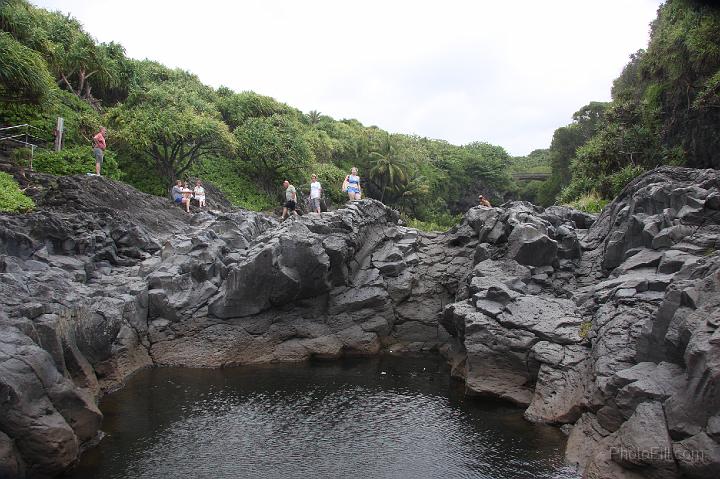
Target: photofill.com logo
[[655, 454]]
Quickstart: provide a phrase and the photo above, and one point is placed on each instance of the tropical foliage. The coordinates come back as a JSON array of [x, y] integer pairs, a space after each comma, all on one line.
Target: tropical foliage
[[165, 123], [665, 110], [11, 198]]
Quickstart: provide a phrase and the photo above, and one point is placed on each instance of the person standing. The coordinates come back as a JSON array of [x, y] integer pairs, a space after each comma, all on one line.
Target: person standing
[[315, 193], [290, 199], [99, 149], [352, 185]]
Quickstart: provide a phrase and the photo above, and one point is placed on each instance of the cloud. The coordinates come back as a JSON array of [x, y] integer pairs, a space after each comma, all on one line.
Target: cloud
[[504, 72]]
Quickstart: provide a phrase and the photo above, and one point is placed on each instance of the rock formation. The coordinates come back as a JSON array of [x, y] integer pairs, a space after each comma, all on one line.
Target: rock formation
[[612, 329], [103, 280], [607, 325]]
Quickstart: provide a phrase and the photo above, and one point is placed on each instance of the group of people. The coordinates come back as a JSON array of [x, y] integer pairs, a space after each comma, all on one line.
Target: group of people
[[182, 194], [351, 186]]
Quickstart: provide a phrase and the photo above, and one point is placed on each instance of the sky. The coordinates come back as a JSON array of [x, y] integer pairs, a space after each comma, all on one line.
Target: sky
[[508, 73]]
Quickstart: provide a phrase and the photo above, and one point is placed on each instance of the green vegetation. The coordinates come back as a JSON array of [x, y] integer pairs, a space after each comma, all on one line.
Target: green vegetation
[[665, 111], [441, 223], [73, 161], [164, 124], [585, 327], [590, 203], [538, 161], [12, 199]]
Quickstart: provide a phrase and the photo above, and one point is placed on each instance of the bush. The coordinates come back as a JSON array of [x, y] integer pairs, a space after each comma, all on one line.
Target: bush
[[24, 74], [141, 173], [75, 161], [531, 191], [238, 188], [617, 181], [330, 177], [436, 223], [589, 203], [578, 187], [12, 199]]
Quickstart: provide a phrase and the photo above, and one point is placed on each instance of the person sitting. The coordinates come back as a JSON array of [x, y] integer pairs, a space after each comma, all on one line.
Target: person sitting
[[180, 196], [484, 201], [199, 193], [177, 192], [186, 197]]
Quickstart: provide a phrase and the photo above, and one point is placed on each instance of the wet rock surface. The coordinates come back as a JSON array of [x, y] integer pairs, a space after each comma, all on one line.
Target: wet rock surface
[[607, 325]]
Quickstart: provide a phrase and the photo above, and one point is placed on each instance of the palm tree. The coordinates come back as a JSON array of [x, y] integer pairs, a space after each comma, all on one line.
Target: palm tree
[[313, 117], [409, 193], [387, 168]]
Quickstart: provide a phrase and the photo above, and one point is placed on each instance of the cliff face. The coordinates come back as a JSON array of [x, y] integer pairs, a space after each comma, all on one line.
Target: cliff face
[[618, 337], [103, 280], [607, 325]]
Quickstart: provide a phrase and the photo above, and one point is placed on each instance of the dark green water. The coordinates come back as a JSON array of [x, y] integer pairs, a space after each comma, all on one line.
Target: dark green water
[[383, 417]]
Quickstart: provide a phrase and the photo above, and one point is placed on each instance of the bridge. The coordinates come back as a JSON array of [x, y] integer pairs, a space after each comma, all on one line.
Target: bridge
[[530, 176]]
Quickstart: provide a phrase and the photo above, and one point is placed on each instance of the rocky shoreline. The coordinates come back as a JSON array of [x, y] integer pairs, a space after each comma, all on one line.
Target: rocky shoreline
[[607, 326]]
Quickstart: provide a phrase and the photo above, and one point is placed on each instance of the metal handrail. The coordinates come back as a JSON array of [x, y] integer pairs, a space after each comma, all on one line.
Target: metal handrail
[[20, 126], [23, 135], [27, 135]]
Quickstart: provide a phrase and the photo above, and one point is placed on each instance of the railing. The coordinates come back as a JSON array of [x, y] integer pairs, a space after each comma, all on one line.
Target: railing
[[530, 176], [24, 136]]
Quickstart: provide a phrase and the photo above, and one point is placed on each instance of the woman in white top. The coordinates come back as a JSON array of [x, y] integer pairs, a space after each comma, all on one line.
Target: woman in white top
[[199, 193], [315, 194]]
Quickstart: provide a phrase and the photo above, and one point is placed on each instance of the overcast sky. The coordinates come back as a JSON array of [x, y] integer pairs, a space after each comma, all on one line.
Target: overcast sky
[[508, 73]]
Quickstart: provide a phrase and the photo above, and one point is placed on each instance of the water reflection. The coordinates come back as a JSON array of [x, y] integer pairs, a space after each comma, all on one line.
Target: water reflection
[[384, 417]]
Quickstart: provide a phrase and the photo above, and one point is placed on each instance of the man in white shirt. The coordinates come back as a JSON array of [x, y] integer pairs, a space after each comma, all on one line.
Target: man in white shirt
[[315, 194]]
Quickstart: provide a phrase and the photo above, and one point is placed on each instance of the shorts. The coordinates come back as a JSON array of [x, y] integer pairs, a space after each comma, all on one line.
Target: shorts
[[353, 189], [290, 204], [99, 155], [178, 199], [314, 203]]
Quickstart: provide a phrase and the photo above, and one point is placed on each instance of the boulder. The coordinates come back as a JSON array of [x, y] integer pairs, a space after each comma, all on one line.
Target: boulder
[[529, 246], [643, 442]]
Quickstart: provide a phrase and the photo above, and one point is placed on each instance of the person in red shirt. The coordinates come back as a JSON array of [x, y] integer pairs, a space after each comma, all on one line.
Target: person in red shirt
[[99, 149]]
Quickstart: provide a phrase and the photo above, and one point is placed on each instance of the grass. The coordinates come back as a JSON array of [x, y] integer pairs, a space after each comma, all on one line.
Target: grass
[[589, 203], [12, 199], [585, 329], [436, 225]]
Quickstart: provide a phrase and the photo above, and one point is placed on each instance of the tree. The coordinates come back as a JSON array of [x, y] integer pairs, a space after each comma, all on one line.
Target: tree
[[387, 168], [313, 117], [237, 108], [173, 126], [408, 194], [23, 73], [273, 149]]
